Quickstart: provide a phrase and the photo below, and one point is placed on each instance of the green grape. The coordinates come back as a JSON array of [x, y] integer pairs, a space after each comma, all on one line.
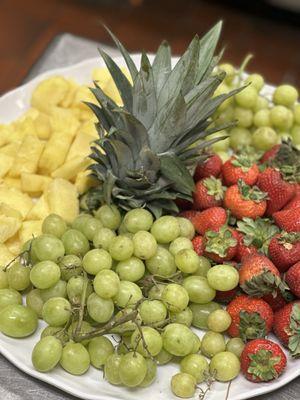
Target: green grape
[[243, 116], [239, 138], [84, 328], [56, 311], [195, 365], [58, 290], [121, 248], [145, 245], [35, 301], [122, 229], [264, 138], [18, 276], [112, 369], [131, 270], [9, 296], [103, 238], [75, 242], [180, 243], [75, 358], [285, 95], [48, 248], [96, 260], [18, 321], [223, 277], [138, 219], [91, 226], [106, 284], [212, 344], [257, 81], [165, 229], [132, 369], [70, 265], [261, 103], [225, 366], [80, 221], [129, 294], [151, 345], [222, 145], [201, 313], [152, 312], [262, 118], [56, 331], [156, 291], [198, 289], [45, 274], [186, 228], [183, 385], [101, 310], [109, 216], [235, 346], [187, 261], [178, 339], [46, 354], [281, 117], [204, 266], [297, 114], [3, 279], [223, 89], [150, 374], [196, 344], [295, 133], [247, 98], [163, 357], [184, 317], [219, 321], [175, 297], [100, 348], [162, 263], [75, 287], [225, 116], [54, 225], [224, 155], [230, 72], [126, 328]]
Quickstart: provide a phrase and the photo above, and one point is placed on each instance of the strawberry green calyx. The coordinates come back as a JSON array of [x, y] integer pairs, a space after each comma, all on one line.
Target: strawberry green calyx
[[243, 161], [214, 187], [262, 365], [251, 192], [219, 242], [264, 283], [294, 331], [287, 239], [287, 161], [252, 326]]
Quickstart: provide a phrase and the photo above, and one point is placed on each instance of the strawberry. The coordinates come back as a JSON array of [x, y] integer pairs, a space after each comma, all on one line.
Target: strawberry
[[210, 219], [211, 167], [226, 296], [288, 220], [262, 360], [287, 327], [208, 193], [276, 300], [284, 250], [279, 191], [240, 167], [183, 204], [198, 245], [251, 318], [245, 201], [270, 154], [243, 250], [294, 203], [292, 278], [221, 245], [259, 276]]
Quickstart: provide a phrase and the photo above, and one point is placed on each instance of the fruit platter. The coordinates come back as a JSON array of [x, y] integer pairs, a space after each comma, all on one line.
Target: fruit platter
[[150, 227]]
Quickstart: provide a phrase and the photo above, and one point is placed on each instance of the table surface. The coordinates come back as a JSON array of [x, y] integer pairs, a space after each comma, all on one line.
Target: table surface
[[67, 49]]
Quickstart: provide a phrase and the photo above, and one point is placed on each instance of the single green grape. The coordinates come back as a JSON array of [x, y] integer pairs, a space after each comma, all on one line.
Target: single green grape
[[132, 369], [165, 229], [75, 358], [187, 261], [18, 321], [150, 374], [262, 118], [9, 296], [150, 345], [239, 138], [163, 357], [225, 366], [261, 103], [223, 89], [132, 269], [152, 312], [184, 317], [70, 266], [244, 117], [45, 274], [144, 244], [3, 279], [48, 248], [224, 155], [296, 111], [121, 248], [96, 260], [57, 290], [101, 310], [295, 133], [57, 331], [235, 346], [186, 228], [195, 365], [225, 116], [18, 276], [156, 291], [198, 289], [106, 284], [175, 297], [221, 145], [201, 313], [264, 138], [285, 95], [56, 311], [180, 243], [112, 369], [196, 344], [204, 266], [100, 348], [109, 215], [103, 238], [46, 354], [183, 385], [91, 226], [162, 263], [138, 219], [75, 287], [129, 294], [35, 302], [212, 344], [178, 339], [54, 225], [257, 81], [79, 222], [247, 98], [219, 321], [75, 242], [223, 277], [281, 117], [230, 72]]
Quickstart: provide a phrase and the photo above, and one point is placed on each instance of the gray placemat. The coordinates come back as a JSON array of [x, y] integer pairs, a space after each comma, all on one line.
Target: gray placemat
[[67, 49]]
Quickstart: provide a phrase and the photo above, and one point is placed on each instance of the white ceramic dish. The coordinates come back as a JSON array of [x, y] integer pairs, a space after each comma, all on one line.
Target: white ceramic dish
[[92, 386]]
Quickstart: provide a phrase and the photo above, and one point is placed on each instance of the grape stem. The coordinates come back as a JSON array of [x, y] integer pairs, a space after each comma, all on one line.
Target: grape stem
[[82, 304], [228, 389], [142, 338]]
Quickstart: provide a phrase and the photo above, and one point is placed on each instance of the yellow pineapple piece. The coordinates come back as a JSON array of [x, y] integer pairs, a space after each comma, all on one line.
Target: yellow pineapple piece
[[84, 181], [5, 256], [81, 147], [63, 120], [5, 133], [12, 182], [89, 128], [8, 211], [30, 229], [69, 98], [70, 168], [42, 126], [6, 163], [62, 198], [14, 244], [22, 127], [40, 210], [8, 227], [10, 149], [16, 199], [33, 183], [83, 94]]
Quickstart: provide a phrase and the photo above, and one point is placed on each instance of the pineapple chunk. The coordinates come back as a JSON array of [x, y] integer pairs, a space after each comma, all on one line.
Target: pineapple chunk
[[14, 245], [12, 182], [9, 226], [6, 163], [40, 210], [62, 198], [11, 149], [5, 256], [84, 181], [81, 146], [30, 229], [49, 92], [83, 94], [27, 157], [70, 168], [42, 126], [16, 199], [89, 128], [68, 100], [23, 126], [62, 120], [8, 211], [5, 133], [33, 183]]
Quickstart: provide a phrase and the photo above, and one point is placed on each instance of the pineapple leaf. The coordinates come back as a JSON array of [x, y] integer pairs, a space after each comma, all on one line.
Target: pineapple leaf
[[174, 170], [162, 65], [106, 122]]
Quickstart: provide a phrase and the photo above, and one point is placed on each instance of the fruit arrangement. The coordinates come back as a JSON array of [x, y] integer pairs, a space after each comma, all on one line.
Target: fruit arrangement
[[171, 238]]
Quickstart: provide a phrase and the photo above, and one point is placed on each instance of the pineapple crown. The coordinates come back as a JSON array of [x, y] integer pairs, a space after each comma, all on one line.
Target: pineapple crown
[[148, 148]]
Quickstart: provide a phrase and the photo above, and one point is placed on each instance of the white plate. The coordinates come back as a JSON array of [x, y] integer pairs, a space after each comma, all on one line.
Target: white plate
[[92, 386]]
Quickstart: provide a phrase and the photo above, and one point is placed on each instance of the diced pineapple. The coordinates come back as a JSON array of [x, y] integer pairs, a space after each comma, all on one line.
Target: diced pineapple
[[84, 181], [81, 146], [12, 182], [6, 163], [8, 227], [62, 198], [69, 98], [89, 128], [5, 256], [30, 229], [40, 210], [22, 127], [14, 244], [33, 183], [70, 168], [42, 126], [83, 94], [27, 157], [5, 134], [63, 120], [8, 211], [16, 199], [11, 149]]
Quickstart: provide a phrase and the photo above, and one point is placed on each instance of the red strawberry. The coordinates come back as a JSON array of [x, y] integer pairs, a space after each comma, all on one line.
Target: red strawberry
[[210, 167], [262, 360], [210, 219], [284, 250], [244, 250], [183, 204], [288, 220], [226, 296], [292, 278], [244, 201], [251, 318], [208, 193], [279, 191], [294, 203], [270, 154], [287, 327], [240, 167], [221, 245], [275, 300], [198, 245]]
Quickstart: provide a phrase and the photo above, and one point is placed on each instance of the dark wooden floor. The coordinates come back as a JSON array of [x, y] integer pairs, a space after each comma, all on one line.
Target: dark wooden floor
[[27, 26]]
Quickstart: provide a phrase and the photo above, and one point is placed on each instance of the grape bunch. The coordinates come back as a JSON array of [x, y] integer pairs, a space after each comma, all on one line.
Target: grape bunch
[[121, 293]]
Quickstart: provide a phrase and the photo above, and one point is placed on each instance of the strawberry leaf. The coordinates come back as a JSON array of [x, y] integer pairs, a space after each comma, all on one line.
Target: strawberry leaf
[[262, 365], [252, 326]]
